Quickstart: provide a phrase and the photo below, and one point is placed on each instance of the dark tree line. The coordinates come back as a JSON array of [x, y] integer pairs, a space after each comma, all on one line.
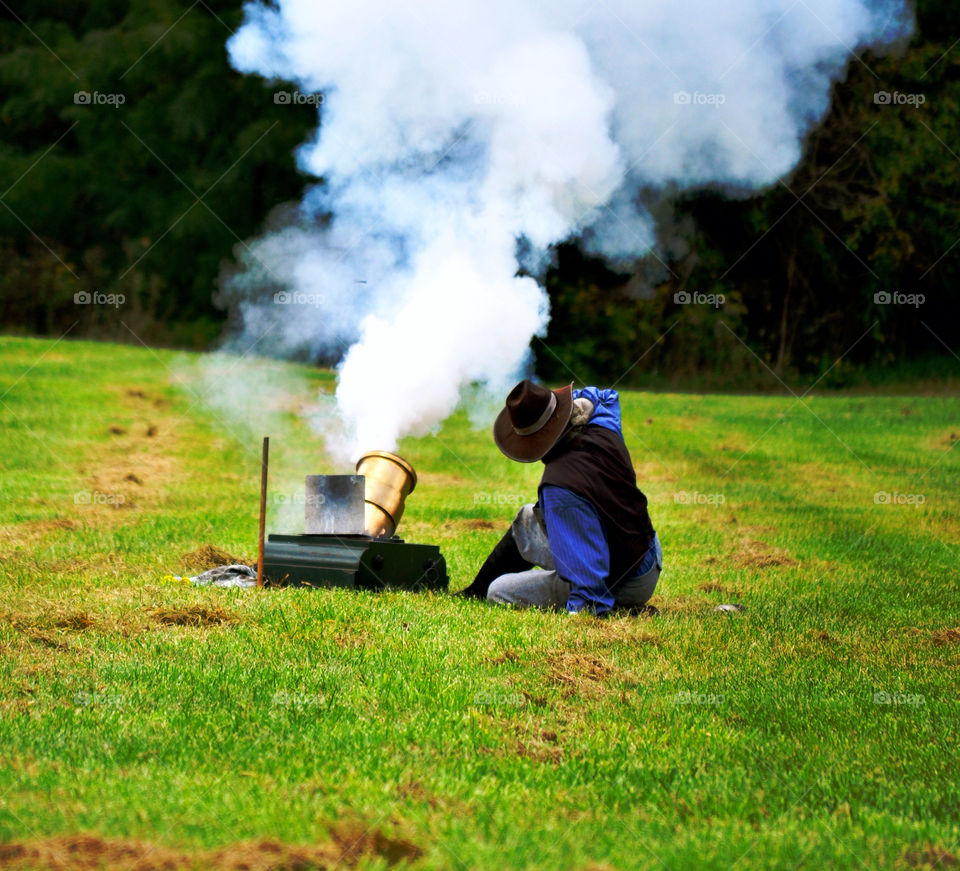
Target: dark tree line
[[144, 197], [133, 160]]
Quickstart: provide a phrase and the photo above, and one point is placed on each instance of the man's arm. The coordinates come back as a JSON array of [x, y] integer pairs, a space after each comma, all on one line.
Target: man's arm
[[579, 548], [606, 406]]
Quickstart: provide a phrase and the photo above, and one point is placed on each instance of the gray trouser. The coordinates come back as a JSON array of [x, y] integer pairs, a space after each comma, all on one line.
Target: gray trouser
[[543, 587]]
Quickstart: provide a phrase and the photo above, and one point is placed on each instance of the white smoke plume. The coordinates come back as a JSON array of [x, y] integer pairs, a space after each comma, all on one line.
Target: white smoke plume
[[449, 132]]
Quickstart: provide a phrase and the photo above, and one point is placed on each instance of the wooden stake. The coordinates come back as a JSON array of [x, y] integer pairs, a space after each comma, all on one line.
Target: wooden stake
[[263, 507]]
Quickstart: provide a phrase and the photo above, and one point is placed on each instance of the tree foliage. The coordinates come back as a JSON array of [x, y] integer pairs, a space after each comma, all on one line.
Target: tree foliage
[[144, 194]]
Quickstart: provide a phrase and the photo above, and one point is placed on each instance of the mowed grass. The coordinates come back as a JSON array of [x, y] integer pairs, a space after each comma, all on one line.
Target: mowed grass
[[818, 728]]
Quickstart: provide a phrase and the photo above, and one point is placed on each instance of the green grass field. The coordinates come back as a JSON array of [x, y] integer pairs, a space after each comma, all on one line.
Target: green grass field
[[817, 729]]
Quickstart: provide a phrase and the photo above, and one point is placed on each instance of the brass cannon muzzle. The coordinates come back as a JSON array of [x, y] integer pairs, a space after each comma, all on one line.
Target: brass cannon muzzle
[[389, 480]]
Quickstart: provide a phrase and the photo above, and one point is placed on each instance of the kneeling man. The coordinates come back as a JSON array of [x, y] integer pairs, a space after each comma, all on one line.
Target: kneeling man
[[590, 532]]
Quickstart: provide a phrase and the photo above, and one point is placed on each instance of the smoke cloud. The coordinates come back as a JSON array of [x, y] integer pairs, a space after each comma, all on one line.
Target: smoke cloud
[[450, 135]]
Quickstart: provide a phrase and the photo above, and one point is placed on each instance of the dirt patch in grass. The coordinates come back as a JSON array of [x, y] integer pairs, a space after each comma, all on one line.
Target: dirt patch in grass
[[57, 524], [44, 640], [575, 667], [582, 674], [505, 657], [76, 622], [429, 480], [531, 741], [348, 847], [479, 524], [653, 470], [193, 615], [683, 604], [34, 530], [209, 557], [620, 630], [56, 624], [356, 841], [946, 636], [155, 401], [138, 465], [945, 440], [754, 553], [932, 857], [414, 790], [73, 621], [539, 751], [47, 640], [731, 445]]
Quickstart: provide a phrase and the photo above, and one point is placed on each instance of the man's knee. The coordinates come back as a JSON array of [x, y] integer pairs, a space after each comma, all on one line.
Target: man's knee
[[536, 588], [499, 591], [513, 589]]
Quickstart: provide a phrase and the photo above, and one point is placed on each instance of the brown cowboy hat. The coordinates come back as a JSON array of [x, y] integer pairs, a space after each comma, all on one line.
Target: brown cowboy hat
[[532, 421]]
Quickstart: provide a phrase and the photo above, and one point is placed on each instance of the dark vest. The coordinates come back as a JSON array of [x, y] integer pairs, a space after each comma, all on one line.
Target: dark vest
[[594, 463]]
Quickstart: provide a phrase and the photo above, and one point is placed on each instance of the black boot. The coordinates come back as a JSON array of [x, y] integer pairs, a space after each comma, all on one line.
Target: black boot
[[504, 559]]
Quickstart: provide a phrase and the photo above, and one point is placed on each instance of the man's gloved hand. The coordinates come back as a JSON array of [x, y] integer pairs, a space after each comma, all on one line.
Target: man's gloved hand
[[582, 412]]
